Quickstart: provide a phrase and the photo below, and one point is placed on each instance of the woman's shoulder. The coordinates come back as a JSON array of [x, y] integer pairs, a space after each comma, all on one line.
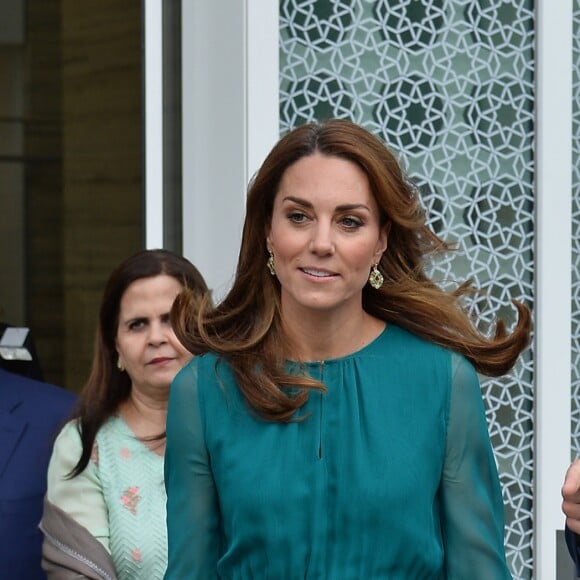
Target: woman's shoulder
[[207, 379], [66, 452], [69, 435], [415, 348], [211, 366], [411, 343]]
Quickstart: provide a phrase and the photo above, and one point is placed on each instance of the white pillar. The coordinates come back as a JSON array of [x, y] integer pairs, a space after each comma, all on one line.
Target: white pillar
[[230, 120], [553, 273], [263, 79]]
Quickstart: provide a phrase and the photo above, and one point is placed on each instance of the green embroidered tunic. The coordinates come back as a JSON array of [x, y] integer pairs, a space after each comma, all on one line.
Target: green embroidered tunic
[[119, 497]]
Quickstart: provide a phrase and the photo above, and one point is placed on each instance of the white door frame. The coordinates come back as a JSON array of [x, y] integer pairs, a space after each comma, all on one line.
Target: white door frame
[[553, 316], [153, 131]]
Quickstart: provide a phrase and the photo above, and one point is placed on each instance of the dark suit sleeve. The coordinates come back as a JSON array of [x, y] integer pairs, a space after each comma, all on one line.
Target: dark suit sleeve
[[30, 415], [573, 543]]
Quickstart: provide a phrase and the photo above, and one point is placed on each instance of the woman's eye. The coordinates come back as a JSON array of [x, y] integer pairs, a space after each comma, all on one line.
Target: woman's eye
[[351, 222], [296, 217], [137, 324]]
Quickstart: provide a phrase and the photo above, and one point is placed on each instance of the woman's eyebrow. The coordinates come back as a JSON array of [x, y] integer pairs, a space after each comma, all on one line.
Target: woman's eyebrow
[[343, 207], [298, 200]]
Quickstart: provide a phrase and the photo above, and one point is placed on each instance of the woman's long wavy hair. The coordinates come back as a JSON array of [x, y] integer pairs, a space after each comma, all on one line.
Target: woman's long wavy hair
[[107, 387], [246, 327]]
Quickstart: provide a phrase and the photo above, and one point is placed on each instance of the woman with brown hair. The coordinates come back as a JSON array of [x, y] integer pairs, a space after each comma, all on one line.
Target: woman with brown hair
[[104, 514], [334, 427]]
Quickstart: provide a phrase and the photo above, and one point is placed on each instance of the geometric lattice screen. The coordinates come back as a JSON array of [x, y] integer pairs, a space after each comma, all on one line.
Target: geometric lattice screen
[[449, 86], [576, 235]]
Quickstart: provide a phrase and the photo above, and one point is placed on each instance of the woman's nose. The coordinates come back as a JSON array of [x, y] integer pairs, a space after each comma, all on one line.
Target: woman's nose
[[322, 241], [157, 332]]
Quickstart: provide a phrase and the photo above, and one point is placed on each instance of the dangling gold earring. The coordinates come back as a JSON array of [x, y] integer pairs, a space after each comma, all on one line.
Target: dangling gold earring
[[270, 263], [120, 365], [376, 278]]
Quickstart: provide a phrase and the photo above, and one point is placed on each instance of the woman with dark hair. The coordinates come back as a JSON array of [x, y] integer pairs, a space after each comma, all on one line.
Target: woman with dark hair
[[334, 426], [105, 501]]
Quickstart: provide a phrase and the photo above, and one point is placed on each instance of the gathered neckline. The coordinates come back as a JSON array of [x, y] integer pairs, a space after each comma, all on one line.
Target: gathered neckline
[[357, 352]]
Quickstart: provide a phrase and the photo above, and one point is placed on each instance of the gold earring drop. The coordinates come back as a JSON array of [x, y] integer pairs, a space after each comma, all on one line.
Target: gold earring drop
[[270, 263], [120, 365], [376, 278]]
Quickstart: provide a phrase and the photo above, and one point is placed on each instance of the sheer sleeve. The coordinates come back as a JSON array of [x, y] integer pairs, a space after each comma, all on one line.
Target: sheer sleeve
[[192, 507], [473, 513], [80, 497]]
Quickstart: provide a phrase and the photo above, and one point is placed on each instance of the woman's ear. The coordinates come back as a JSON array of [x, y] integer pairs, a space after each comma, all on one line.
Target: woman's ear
[[383, 241]]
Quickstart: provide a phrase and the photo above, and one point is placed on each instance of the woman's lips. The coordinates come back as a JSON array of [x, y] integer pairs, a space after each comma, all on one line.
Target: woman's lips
[[318, 273], [160, 360]]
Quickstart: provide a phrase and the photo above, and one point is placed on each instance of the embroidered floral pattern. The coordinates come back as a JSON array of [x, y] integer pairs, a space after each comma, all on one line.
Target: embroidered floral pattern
[[131, 498], [125, 453], [136, 554]]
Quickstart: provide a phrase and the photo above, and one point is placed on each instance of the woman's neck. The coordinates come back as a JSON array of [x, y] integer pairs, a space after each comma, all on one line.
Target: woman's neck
[[146, 417], [323, 337]]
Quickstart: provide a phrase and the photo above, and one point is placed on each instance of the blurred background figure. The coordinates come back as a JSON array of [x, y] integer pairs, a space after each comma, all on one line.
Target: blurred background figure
[[105, 502]]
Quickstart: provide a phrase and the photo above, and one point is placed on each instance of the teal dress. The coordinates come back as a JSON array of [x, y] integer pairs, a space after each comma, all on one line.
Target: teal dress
[[390, 474]]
